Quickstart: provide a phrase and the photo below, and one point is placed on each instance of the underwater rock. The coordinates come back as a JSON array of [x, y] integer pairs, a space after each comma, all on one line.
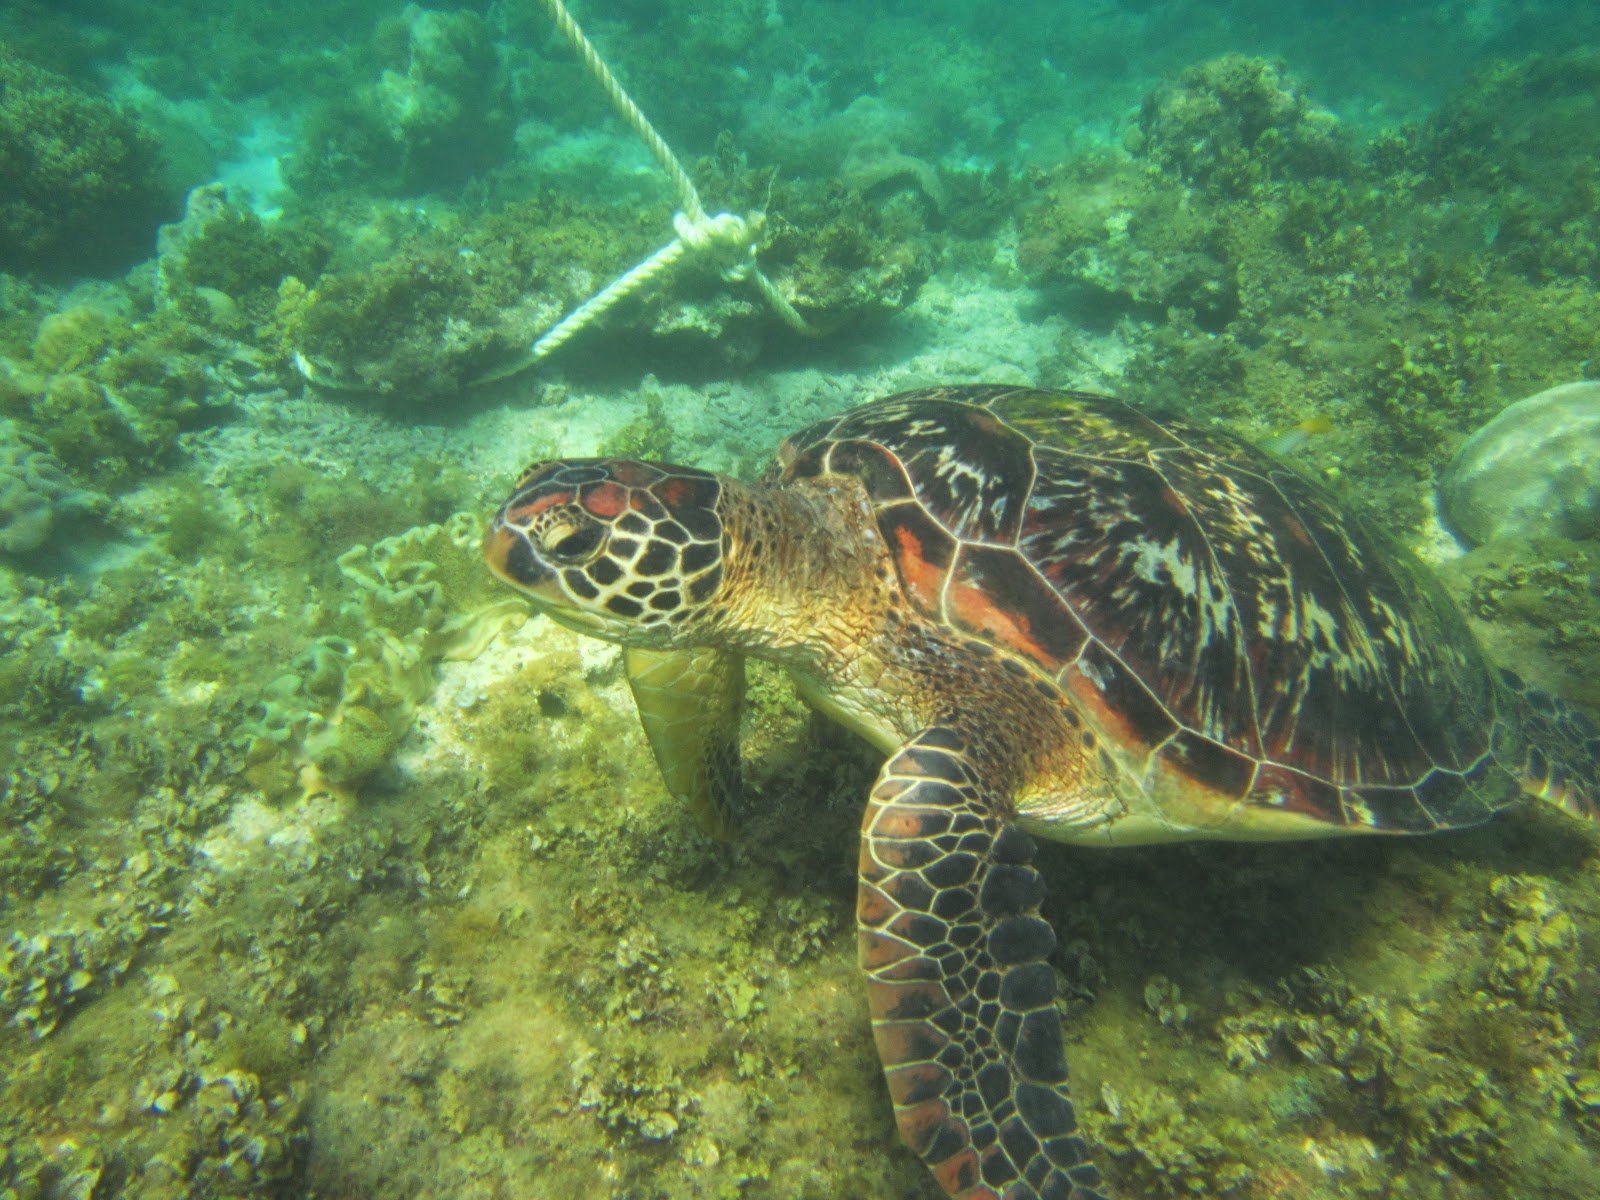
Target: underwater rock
[[1532, 471]]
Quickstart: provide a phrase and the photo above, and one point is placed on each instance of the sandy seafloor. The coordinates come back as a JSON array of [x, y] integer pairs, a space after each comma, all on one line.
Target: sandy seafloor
[[325, 871]]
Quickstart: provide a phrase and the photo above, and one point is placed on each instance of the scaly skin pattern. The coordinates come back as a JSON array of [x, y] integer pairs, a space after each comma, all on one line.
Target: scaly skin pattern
[[1057, 617], [962, 998]]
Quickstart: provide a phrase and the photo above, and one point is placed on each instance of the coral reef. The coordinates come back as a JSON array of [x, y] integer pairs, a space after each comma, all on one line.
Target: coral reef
[[441, 307], [843, 262], [1515, 151], [1269, 266], [36, 496], [436, 116], [1236, 124], [421, 323], [222, 255], [109, 397], [79, 187]]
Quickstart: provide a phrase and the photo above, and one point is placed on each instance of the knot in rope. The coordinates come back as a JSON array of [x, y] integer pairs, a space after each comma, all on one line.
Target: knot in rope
[[726, 239]]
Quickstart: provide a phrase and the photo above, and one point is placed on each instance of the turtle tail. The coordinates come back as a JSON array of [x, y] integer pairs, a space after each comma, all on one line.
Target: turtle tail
[[1554, 749]]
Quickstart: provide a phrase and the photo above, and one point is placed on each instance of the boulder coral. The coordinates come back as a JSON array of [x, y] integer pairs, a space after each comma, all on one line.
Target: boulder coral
[[1532, 471]]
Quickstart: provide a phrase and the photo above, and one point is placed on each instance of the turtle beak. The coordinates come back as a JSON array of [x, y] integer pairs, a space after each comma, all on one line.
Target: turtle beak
[[509, 556]]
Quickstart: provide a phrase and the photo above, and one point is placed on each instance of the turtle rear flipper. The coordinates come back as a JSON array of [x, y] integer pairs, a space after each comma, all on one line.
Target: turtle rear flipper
[[962, 1000], [1552, 746], [689, 704]]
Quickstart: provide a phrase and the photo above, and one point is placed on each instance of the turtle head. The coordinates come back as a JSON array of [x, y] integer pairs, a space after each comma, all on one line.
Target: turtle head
[[628, 551]]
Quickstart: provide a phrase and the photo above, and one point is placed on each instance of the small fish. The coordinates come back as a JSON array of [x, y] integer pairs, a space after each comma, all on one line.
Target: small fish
[[1296, 436]]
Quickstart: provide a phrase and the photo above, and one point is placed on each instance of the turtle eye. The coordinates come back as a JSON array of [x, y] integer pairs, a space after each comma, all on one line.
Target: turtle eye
[[570, 542]]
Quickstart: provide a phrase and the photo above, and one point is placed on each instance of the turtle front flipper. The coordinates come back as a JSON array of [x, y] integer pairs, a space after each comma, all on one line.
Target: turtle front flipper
[[689, 704], [1551, 747], [963, 1002]]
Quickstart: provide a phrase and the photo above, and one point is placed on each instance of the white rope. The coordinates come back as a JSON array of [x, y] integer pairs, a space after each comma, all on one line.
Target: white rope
[[590, 310], [631, 113], [726, 240]]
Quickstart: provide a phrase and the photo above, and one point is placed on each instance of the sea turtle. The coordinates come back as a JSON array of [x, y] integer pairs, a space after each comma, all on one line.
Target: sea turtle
[[1060, 618]]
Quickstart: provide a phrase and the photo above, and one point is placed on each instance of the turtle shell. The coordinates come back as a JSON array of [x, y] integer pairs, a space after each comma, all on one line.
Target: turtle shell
[[1204, 602]]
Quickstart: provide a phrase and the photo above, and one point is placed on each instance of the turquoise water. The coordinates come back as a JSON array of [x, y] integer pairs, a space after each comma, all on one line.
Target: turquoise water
[[328, 869]]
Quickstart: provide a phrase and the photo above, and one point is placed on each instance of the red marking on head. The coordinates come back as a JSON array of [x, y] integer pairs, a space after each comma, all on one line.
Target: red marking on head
[[922, 579], [524, 514], [672, 492], [605, 500]]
